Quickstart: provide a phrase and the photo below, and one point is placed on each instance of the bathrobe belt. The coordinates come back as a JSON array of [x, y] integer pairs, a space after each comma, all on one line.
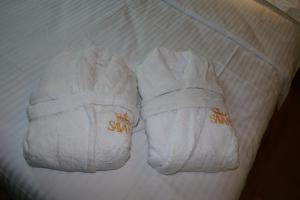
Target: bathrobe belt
[[54, 106], [184, 98]]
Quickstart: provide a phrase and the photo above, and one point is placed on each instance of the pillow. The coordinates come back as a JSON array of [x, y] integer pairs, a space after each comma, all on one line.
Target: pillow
[[289, 7]]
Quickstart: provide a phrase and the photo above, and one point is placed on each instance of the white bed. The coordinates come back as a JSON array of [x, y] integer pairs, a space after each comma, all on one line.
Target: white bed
[[255, 52]]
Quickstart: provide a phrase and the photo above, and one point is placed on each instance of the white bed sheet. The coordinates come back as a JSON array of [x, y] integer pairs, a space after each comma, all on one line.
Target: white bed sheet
[[33, 32], [258, 28]]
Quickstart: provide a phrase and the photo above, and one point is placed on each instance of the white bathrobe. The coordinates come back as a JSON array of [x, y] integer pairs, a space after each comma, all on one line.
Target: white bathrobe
[[186, 122], [82, 115]]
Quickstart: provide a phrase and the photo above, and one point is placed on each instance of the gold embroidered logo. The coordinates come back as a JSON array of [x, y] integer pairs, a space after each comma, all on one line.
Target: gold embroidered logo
[[122, 124], [219, 117]]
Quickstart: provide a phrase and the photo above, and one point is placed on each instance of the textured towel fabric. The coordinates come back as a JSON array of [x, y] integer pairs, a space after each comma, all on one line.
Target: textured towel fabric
[[187, 125], [82, 114], [33, 32]]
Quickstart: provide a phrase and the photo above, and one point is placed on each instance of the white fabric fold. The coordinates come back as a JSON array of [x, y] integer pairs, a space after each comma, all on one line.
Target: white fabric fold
[[187, 124], [187, 98], [82, 115], [67, 103]]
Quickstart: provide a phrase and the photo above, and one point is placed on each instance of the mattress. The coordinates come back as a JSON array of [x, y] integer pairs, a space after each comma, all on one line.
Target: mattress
[[254, 66]]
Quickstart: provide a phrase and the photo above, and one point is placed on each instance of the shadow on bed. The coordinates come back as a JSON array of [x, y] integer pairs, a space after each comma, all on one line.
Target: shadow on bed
[[275, 174]]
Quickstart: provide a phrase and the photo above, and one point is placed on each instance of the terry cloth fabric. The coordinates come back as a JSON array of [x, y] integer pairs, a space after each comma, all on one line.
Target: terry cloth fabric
[[82, 115], [186, 122]]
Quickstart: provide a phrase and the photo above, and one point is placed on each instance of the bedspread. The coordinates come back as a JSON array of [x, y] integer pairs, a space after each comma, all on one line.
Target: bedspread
[[247, 62]]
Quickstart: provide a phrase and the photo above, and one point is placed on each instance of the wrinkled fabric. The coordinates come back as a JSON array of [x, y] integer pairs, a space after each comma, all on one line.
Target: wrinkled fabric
[[82, 115], [186, 121]]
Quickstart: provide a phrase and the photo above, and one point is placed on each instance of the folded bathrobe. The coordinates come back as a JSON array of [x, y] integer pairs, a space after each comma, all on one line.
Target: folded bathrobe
[[82, 114], [186, 122]]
